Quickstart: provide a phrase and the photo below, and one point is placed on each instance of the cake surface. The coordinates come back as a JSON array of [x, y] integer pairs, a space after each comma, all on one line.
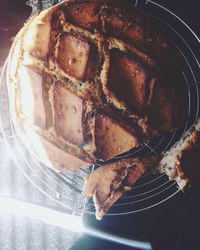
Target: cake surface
[[91, 80]]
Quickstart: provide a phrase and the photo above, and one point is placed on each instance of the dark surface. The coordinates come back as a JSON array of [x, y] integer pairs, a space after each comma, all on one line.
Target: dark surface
[[173, 225], [12, 16]]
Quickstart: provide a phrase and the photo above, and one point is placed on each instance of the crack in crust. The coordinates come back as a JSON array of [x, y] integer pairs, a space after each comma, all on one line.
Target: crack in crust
[[99, 54]]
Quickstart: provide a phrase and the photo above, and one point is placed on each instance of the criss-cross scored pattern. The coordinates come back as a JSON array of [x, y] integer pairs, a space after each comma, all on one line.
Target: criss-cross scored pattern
[[106, 81], [150, 189]]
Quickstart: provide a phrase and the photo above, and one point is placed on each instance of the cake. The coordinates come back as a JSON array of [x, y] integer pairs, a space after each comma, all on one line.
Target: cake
[[90, 80]]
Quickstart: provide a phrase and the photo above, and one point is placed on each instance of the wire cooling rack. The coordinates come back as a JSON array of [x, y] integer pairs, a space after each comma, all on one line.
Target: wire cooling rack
[[63, 189], [151, 189]]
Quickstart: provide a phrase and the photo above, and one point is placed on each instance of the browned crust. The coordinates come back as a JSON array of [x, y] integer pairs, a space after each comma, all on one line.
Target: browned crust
[[113, 136], [181, 162], [109, 182], [38, 45]]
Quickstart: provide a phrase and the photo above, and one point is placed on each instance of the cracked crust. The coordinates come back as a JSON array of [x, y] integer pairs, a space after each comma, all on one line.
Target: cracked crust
[[80, 57]]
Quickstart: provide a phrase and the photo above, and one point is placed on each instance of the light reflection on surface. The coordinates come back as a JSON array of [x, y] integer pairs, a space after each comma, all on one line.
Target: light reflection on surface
[[62, 220]]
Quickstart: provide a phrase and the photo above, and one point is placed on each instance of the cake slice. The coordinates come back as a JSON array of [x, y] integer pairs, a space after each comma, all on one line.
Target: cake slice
[[182, 162], [109, 182]]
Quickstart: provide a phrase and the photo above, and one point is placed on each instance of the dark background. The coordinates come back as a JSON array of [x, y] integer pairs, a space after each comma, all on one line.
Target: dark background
[[173, 225]]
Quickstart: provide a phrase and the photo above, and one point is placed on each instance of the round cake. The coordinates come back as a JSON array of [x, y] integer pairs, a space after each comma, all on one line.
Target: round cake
[[90, 80]]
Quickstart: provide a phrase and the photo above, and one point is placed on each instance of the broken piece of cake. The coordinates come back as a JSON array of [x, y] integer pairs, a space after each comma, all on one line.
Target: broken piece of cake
[[182, 162], [109, 182]]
